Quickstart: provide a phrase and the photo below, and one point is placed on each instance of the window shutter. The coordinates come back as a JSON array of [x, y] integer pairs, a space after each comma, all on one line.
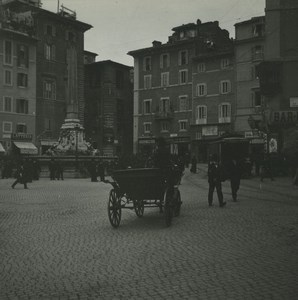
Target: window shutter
[[219, 111], [44, 89], [179, 58], [229, 110], [161, 61], [168, 60]]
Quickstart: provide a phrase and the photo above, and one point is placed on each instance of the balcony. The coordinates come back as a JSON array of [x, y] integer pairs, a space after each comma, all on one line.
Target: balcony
[[164, 115], [224, 120], [257, 56]]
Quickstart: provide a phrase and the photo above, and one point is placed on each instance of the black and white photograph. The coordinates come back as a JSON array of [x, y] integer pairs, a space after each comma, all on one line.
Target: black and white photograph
[[148, 149]]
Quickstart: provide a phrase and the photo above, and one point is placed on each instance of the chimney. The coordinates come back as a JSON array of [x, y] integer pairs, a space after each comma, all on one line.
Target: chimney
[[156, 44]]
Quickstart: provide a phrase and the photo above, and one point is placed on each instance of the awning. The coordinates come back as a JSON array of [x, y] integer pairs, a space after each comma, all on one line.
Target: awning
[[26, 148], [2, 150]]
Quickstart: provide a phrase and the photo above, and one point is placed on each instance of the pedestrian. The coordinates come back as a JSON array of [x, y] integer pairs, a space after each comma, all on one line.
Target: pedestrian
[[21, 176], [36, 169], [93, 171], [234, 170], [193, 168], [52, 169], [214, 180], [266, 169], [59, 170]]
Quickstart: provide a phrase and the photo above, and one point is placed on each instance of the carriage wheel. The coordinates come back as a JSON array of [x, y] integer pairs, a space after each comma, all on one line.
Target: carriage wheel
[[178, 202], [168, 206], [114, 209], [139, 207]]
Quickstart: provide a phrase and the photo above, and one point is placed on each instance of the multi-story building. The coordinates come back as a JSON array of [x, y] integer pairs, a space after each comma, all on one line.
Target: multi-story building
[[163, 85], [249, 52], [279, 76], [213, 97], [59, 67], [109, 107], [17, 81]]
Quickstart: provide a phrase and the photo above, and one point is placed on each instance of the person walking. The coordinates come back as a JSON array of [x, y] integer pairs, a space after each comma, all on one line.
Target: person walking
[[52, 169], [234, 170], [59, 170], [101, 171], [93, 171], [36, 169], [21, 176], [214, 180]]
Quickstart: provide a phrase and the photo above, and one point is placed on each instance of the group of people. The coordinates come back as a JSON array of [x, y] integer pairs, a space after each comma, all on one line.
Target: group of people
[[56, 169]]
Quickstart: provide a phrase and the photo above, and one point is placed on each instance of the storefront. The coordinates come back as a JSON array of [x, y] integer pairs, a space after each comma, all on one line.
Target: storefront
[[22, 144], [146, 145]]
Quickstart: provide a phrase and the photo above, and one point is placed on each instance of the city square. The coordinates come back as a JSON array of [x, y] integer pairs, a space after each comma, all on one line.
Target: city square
[[56, 242]]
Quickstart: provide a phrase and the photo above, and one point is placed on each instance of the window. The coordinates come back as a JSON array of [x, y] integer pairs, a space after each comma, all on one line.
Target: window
[[50, 30], [50, 52], [147, 63], [164, 61], [201, 89], [49, 89], [165, 79], [183, 103], [256, 98], [224, 113], [147, 106], [258, 30], [23, 56], [21, 128], [47, 124], [183, 57], [201, 67], [225, 87], [182, 125], [147, 127], [147, 82], [70, 36], [22, 106], [254, 72], [7, 127], [257, 52], [201, 114], [183, 76], [22, 80], [164, 106], [225, 63], [164, 126], [7, 104], [7, 52], [7, 77], [119, 79]]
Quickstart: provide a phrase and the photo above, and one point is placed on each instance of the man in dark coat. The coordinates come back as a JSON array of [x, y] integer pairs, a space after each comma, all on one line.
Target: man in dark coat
[[93, 171], [21, 176], [214, 180], [52, 169], [234, 170]]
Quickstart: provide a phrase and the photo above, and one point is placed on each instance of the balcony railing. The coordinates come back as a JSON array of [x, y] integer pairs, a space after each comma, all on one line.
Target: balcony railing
[[164, 115]]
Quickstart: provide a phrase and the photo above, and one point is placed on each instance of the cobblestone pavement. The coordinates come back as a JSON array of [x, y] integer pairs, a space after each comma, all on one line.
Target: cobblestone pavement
[[56, 242]]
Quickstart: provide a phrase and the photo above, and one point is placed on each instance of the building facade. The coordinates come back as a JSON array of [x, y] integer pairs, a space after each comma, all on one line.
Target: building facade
[[59, 68], [109, 107], [17, 81], [165, 97]]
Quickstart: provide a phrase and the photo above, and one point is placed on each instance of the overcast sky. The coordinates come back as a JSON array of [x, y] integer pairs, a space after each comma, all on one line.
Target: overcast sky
[[120, 26]]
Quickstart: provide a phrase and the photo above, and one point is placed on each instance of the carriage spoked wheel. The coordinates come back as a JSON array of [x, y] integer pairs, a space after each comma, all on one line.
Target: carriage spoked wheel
[[139, 207], [114, 209], [168, 206], [177, 202]]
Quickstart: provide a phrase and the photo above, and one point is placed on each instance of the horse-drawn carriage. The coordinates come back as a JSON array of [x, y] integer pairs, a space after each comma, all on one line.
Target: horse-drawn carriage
[[145, 187]]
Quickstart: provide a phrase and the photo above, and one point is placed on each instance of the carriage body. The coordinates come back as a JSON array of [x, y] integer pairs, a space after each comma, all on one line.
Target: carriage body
[[144, 187]]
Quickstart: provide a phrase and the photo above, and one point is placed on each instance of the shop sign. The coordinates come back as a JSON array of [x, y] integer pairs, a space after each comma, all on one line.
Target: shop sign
[[181, 140], [284, 117], [209, 130], [294, 102], [22, 136], [147, 141]]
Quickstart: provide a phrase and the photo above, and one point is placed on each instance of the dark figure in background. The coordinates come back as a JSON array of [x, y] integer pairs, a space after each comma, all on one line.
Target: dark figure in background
[[101, 171], [193, 168], [266, 168], [52, 169], [214, 180], [36, 169], [93, 171], [59, 170], [234, 170], [21, 176]]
